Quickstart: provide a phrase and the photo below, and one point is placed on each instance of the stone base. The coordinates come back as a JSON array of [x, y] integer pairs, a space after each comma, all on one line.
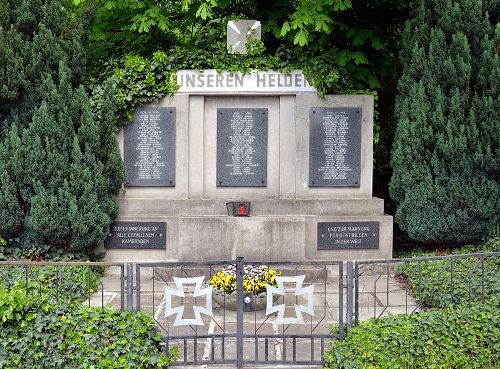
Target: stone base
[[208, 233]]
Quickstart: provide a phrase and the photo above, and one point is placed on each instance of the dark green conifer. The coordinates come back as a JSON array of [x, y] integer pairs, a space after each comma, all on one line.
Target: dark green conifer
[[446, 154], [59, 166], [54, 187], [35, 35], [11, 212]]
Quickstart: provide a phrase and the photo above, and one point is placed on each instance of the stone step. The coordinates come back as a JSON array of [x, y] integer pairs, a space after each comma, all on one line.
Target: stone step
[[195, 207]]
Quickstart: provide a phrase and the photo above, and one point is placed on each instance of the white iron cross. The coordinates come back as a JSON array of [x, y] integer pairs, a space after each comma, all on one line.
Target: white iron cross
[[197, 310], [299, 291], [239, 31]]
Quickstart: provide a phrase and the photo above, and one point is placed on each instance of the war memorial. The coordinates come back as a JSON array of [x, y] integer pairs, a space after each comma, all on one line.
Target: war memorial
[[254, 165]]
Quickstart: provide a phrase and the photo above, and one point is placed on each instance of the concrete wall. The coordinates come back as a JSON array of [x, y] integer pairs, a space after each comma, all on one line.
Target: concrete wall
[[288, 148], [264, 238], [284, 215]]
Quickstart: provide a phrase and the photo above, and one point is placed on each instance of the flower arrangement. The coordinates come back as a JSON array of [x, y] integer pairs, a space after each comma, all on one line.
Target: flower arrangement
[[255, 279]]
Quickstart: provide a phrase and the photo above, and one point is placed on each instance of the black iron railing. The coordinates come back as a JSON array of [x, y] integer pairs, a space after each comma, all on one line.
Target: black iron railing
[[313, 302]]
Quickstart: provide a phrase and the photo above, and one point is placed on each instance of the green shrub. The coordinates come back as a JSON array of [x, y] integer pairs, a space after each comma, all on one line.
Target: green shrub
[[432, 284], [60, 164], [13, 304], [39, 335], [445, 155], [58, 284], [454, 338]]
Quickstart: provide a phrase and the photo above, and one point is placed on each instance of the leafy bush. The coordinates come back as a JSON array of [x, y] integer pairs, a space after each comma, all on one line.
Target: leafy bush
[[46, 336], [433, 283], [60, 164], [454, 338], [445, 155], [59, 284], [13, 304]]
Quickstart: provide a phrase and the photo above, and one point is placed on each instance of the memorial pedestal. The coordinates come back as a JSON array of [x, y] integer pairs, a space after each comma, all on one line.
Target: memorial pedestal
[[304, 162], [277, 230]]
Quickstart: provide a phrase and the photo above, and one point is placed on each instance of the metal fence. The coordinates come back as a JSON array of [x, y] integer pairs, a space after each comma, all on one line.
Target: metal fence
[[214, 328], [292, 323], [410, 285], [66, 281]]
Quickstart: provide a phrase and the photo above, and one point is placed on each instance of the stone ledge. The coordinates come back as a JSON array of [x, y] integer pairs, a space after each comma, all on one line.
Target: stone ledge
[[265, 238], [190, 207]]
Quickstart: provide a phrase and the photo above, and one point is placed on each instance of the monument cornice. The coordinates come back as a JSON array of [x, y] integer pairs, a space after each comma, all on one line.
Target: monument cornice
[[213, 82]]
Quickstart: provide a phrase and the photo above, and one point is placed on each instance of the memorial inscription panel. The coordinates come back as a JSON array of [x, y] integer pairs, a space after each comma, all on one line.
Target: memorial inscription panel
[[348, 235], [137, 235], [149, 148], [242, 147], [334, 147]]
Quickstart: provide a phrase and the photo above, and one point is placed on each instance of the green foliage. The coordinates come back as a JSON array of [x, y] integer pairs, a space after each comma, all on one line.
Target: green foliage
[[139, 80], [445, 157], [11, 214], [56, 284], [59, 173], [345, 49], [43, 323], [35, 36], [63, 284], [59, 160], [455, 338], [13, 305], [433, 284], [13, 251], [74, 336]]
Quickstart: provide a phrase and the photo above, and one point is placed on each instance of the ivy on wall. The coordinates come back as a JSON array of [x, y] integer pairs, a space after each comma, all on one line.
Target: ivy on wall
[[139, 80]]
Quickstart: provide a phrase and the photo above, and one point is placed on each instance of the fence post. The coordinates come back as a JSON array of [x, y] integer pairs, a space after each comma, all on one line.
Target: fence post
[[239, 312], [350, 294], [130, 280], [356, 294], [138, 287]]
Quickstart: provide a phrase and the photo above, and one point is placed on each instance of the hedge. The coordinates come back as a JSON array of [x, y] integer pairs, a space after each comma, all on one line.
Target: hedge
[[43, 324], [457, 337], [61, 283], [40, 335], [432, 286]]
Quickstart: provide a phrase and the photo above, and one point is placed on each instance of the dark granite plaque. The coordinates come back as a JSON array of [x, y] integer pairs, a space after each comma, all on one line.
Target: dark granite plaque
[[137, 235], [348, 235], [334, 147], [149, 149], [241, 147]]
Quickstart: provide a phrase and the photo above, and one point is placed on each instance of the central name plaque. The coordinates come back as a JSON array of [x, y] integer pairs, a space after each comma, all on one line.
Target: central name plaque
[[137, 235], [242, 147], [149, 148], [334, 147], [348, 235]]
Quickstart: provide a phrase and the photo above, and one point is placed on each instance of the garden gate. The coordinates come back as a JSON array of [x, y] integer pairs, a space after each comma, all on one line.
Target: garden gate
[[291, 323]]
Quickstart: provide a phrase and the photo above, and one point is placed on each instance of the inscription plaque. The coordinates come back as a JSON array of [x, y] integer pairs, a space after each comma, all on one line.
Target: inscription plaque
[[334, 147], [149, 148], [348, 235], [242, 147], [137, 235]]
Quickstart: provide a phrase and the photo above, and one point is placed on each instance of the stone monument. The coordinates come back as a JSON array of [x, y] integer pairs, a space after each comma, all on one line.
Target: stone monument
[[304, 163]]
